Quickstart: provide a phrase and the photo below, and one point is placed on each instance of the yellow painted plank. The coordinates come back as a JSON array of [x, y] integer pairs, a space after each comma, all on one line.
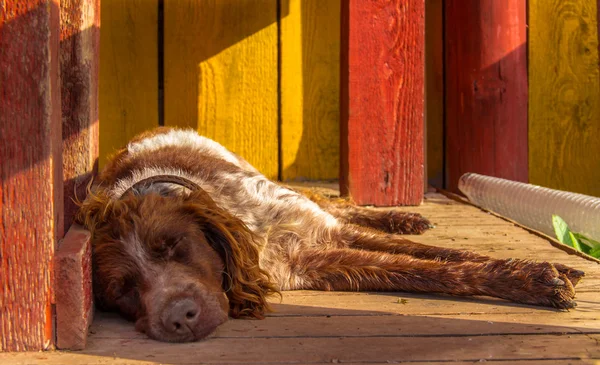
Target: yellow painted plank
[[221, 74], [434, 92], [310, 44], [128, 72], [564, 95]]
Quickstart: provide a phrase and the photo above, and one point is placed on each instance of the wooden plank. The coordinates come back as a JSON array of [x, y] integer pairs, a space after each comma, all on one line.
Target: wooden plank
[[310, 84], [305, 303], [221, 74], [128, 72], [382, 101], [80, 64], [564, 93], [380, 349], [511, 362], [63, 358], [79, 67], [31, 171], [74, 299], [113, 326], [434, 91], [486, 76]]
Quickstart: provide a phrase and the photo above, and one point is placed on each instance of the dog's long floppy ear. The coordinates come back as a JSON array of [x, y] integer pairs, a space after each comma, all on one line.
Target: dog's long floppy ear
[[247, 286], [94, 210]]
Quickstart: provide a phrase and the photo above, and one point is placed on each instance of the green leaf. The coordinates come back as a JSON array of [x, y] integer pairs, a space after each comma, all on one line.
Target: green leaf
[[595, 253], [561, 229], [575, 242], [587, 241]]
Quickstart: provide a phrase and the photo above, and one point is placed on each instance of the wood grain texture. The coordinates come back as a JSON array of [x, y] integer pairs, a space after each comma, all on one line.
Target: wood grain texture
[[382, 101], [301, 324], [486, 89], [434, 91], [325, 327], [74, 299], [343, 349], [316, 304], [310, 69], [83, 359], [128, 72], [221, 74], [564, 107], [79, 67], [30, 171]]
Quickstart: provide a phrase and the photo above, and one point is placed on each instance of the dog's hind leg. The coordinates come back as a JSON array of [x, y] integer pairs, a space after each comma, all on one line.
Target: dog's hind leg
[[390, 221], [359, 238], [358, 270]]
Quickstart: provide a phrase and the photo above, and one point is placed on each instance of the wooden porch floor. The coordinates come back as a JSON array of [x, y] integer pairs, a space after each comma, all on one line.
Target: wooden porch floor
[[381, 328]]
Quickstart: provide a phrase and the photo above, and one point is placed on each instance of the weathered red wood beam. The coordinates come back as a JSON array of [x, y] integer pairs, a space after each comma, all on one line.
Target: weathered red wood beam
[[74, 298], [486, 89], [31, 198], [382, 101], [79, 49], [79, 63]]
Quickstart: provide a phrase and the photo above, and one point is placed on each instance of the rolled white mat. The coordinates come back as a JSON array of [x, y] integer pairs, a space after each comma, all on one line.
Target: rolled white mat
[[532, 205]]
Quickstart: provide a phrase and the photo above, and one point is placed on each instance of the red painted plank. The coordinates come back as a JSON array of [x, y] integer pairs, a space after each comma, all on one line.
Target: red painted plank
[[486, 89], [382, 101], [30, 170], [79, 51], [74, 300]]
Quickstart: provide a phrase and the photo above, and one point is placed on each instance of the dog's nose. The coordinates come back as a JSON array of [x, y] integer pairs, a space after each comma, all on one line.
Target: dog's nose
[[181, 316]]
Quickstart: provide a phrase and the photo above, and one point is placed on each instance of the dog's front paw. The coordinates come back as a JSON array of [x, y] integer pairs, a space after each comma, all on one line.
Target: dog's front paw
[[573, 275], [406, 223], [541, 284]]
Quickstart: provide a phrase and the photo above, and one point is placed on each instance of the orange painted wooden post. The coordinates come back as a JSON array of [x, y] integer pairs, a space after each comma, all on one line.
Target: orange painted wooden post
[[80, 61], [486, 89], [30, 171], [79, 51], [382, 101]]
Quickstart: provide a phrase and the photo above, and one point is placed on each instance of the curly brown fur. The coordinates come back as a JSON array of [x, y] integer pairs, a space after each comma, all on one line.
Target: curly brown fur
[[180, 259], [247, 284], [391, 221]]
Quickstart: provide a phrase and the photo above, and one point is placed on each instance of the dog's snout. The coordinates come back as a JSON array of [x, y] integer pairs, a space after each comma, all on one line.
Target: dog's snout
[[181, 316]]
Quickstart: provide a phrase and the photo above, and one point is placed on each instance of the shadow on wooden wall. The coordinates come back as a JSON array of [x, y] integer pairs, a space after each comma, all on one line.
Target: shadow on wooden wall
[[486, 116], [128, 93], [259, 76], [310, 84], [221, 74]]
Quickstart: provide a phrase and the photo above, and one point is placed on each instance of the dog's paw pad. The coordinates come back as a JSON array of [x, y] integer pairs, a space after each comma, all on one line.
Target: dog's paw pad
[[555, 289], [407, 223], [573, 275], [538, 284]]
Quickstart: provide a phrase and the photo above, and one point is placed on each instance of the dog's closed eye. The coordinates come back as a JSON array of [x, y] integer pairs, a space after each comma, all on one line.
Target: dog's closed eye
[[176, 249], [129, 303]]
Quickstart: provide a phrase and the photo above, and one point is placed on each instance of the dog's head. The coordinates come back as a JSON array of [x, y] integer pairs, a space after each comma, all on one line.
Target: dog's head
[[176, 265]]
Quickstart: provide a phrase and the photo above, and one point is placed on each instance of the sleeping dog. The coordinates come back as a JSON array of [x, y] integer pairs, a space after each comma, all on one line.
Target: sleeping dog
[[186, 234]]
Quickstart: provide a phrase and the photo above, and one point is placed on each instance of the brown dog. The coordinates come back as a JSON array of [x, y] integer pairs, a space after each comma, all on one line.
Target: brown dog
[[186, 233]]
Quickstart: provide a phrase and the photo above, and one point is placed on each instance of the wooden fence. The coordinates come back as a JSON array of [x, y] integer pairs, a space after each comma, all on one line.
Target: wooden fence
[[262, 77], [269, 92]]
